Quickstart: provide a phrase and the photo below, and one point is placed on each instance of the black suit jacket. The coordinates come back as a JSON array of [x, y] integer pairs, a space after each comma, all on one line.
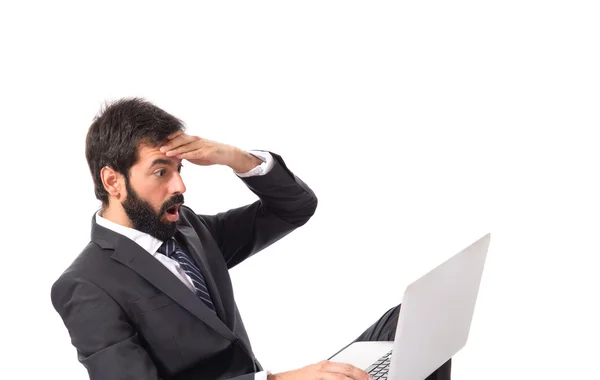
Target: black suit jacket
[[129, 317]]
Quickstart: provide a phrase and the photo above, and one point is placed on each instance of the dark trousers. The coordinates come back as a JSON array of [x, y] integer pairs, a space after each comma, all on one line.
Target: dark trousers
[[385, 330]]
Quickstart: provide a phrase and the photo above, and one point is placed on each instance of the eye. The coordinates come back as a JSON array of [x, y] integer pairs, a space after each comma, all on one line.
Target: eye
[[160, 172], [179, 168]]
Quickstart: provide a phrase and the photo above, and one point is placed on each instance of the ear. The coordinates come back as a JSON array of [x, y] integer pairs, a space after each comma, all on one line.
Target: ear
[[113, 182]]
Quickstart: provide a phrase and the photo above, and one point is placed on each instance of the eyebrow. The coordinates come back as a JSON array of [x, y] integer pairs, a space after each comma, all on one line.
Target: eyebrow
[[162, 161]]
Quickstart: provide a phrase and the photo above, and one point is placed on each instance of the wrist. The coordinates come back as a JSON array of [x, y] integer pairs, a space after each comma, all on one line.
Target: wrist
[[242, 161]]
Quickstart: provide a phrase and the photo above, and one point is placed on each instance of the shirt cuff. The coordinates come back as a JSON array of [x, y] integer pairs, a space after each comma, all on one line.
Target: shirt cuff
[[262, 169], [261, 375]]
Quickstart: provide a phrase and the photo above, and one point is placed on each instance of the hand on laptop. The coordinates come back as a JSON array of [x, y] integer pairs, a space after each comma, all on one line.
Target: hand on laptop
[[323, 370]]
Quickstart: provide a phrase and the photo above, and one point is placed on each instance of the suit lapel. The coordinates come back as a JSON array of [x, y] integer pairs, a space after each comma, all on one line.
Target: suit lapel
[[137, 259]]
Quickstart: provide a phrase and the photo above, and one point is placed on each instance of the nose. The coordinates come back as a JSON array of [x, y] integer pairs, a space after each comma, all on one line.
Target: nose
[[177, 185]]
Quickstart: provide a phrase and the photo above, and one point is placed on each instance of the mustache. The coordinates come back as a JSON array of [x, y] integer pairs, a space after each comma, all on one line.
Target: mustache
[[175, 199]]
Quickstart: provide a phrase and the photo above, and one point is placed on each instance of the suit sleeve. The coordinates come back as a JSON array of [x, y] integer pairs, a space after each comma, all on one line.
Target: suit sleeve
[[285, 203], [249, 376], [107, 345]]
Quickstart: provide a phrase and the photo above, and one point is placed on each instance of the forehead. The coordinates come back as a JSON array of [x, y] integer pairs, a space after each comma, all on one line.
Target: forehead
[[148, 154], [145, 152]]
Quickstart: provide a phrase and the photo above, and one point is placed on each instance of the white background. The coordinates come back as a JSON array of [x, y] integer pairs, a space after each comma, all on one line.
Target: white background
[[421, 126]]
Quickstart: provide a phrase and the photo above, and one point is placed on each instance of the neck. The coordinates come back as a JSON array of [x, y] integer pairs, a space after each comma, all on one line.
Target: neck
[[116, 216]]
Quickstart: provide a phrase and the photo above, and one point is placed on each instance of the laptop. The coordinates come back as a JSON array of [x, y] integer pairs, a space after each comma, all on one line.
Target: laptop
[[434, 321]]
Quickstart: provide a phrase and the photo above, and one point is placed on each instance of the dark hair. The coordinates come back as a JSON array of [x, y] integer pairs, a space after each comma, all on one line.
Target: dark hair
[[117, 132]]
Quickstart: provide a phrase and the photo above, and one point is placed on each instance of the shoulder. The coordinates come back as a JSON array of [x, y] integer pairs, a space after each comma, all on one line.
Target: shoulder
[[188, 217], [89, 258], [89, 262]]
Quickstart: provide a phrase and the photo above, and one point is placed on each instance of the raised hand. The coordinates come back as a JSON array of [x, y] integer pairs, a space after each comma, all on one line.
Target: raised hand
[[205, 152], [197, 150]]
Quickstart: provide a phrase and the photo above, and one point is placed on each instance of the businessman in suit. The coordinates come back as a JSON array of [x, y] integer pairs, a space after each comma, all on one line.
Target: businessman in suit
[[150, 296]]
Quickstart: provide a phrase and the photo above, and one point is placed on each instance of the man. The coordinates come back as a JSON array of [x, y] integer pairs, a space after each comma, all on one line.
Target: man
[[150, 296]]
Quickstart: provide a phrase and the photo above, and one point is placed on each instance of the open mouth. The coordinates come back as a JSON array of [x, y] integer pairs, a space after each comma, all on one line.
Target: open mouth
[[172, 213]]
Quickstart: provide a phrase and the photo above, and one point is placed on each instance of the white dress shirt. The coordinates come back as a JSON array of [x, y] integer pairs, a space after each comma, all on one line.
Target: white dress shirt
[[151, 244]]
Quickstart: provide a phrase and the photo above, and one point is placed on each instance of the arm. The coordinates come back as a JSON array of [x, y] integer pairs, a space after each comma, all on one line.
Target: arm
[[107, 345], [285, 203]]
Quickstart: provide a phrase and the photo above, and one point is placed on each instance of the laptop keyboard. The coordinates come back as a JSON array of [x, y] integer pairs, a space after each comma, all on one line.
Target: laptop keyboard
[[379, 369]]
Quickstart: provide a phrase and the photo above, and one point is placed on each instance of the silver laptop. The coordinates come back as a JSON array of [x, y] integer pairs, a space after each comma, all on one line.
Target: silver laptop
[[434, 321]]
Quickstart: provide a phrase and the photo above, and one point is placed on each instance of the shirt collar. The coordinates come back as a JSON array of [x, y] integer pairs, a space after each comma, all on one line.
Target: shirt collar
[[148, 242]]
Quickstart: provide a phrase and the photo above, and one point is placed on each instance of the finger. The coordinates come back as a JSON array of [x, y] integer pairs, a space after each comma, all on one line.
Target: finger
[[333, 376], [186, 148], [345, 369], [174, 142], [177, 142], [193, 155], [178, 133]]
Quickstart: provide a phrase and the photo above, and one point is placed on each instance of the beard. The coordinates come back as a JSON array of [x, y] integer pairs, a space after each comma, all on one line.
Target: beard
[[145, 219]]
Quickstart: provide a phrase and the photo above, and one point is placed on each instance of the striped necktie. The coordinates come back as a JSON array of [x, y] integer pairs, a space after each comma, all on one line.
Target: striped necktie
[[171, 249]]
